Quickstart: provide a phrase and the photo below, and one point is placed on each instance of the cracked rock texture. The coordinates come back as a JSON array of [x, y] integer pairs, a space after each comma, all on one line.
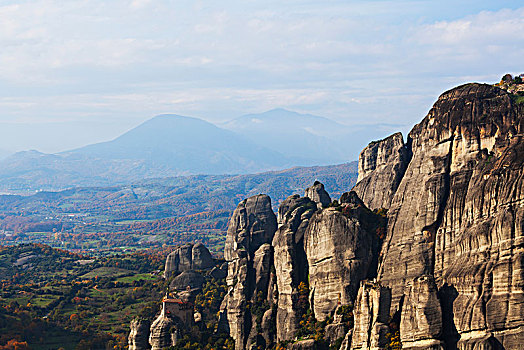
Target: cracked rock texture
[[339, 253], [188, 257], [139, 335], [381, 166], [371, 313], [457, 215], [318, 194], [249, 255], [291, 262]]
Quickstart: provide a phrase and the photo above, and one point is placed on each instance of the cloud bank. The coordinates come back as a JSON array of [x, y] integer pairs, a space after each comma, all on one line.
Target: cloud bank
[[111, 65]]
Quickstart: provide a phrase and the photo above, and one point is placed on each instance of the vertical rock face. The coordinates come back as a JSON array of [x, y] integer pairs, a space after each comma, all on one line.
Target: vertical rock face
[[252, 224], [188, 257], [139, 335], [249, 255], [421, 318], [290, 261], [163, 333], [381, 166], [339, 254], [371, 316], [457, 216], [318, 194]]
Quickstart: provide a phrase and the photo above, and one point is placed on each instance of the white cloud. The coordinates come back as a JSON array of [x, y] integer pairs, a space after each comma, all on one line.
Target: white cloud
[[343, 59]]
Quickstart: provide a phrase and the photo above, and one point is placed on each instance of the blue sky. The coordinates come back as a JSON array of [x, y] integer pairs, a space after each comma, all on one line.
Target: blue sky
[[75, 72]]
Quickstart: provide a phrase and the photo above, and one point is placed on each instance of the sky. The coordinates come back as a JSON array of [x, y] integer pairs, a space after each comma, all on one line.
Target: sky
[[76, 72]]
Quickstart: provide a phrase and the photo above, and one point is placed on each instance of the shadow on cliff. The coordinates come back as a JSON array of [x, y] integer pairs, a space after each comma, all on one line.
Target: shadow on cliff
[[447, 295]]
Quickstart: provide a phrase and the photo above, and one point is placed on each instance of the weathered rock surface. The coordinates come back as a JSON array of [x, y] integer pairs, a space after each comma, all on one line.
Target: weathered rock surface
[[458, 214], [139, 334], [339, 252], [252, 224], [450, 270], [421, 317], [371, 313], [318, 194], [163, 333], [188, 280], [249, 255], [308, 344], [219, 272], [188, 257], [381, 166], [291, 262]]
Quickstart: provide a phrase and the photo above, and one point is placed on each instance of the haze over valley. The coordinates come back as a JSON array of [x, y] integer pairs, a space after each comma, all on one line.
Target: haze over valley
[[261, 175]]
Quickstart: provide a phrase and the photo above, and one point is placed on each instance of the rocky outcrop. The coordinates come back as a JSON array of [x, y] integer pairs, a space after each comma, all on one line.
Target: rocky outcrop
[[421, 317], [381, 166], [318, 194], [219, 272], [252, 224], [188, 257], [139, 334], [308, 344], [291, 263], [188, 280], [339, 251], [456, 216], [249, 255], [163, 333], [447, 270], [371, 313]]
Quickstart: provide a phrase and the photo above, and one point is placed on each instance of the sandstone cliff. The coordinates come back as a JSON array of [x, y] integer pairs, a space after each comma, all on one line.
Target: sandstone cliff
[[291, 262], [139, 335], [456, 219], [381, 166], [318, 194], [339, 254], [188, 257], [250, 257], [163, 333]]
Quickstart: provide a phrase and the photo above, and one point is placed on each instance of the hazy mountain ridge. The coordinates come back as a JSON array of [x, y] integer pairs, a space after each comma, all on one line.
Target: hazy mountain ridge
[[306, 138], [173, 145]]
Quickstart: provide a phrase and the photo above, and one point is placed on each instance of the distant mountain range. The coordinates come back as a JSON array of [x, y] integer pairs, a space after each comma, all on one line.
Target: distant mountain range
[[173, 145]]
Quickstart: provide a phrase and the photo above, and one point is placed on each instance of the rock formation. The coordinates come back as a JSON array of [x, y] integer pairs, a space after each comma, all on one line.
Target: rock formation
[[188, 257], [139, 335], [318, 194], [163, 333], [421, 317], [381, 166], [443, 271], [456, 218], [371, 317], [339, 251], [249, 255], [187, 280], [291, 262]]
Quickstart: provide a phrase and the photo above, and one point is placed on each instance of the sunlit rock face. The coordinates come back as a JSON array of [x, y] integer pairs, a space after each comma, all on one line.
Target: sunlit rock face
[[381, 166], [371, 317], [139, 334], [457, 217], [290, 261], [445, 270], [162, 335], [339, 251], [318, 194], [249, 254], [188, 257]]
